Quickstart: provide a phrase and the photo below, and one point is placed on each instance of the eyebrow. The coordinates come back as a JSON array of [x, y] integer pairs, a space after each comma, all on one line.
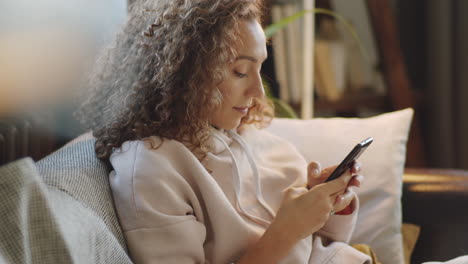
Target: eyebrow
[[246, 57]]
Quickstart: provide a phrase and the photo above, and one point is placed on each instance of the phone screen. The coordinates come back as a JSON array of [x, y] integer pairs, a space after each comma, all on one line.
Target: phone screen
[[349, 160]]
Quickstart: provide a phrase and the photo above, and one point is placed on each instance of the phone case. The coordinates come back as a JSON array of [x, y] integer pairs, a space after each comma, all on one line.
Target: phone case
[[349, 160]]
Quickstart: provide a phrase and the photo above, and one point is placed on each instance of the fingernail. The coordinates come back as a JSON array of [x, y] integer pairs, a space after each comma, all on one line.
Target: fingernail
[[315, 172], [360, 179], [339, 198], [356, 167]]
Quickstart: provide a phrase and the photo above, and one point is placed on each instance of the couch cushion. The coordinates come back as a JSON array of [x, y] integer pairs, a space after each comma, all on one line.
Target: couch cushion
[[41, 224], [75, 170]]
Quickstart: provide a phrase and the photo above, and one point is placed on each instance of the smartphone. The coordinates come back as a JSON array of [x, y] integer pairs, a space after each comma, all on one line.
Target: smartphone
[[348, 162]]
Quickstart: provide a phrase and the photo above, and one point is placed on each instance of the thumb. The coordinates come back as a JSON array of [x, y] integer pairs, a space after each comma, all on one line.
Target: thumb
[[314, 172]]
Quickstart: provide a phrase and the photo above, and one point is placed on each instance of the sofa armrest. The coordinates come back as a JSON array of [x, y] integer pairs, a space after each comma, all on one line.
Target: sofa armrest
[[437, 201]]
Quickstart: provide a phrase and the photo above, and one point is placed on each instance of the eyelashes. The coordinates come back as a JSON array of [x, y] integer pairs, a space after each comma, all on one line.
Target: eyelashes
[[240, 75]]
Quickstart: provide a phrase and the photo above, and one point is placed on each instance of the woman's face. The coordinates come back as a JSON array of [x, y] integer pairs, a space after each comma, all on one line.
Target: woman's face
[[243, 82]]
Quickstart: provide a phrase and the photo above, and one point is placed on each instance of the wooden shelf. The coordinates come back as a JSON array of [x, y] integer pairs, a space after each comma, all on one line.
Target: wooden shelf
[[351, 102], [391, 63]]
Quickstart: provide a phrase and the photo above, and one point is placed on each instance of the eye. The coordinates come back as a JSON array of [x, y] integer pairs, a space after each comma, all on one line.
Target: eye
[[239, 74]]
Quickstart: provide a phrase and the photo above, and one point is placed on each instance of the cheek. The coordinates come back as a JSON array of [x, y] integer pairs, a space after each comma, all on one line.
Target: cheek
[[226, 90], [224, 101]]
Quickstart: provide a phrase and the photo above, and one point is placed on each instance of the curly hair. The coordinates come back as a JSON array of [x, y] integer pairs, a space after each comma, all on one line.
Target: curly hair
[[160, 75]]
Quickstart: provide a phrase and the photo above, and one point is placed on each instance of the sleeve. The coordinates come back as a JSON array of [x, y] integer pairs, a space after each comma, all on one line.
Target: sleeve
[[156, 205], [330, 244], [341, 227], [178, 243], [336, 253]]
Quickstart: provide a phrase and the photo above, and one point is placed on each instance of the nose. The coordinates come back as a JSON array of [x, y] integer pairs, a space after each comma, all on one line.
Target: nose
[[256, 87]]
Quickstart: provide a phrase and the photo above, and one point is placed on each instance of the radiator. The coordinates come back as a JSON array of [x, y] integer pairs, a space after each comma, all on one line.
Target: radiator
[[22, 137]]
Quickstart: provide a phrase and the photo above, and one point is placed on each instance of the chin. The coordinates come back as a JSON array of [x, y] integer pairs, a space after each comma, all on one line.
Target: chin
[[230, 125]]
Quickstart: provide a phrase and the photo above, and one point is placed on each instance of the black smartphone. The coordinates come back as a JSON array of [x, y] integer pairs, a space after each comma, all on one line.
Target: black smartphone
[[348, 162]]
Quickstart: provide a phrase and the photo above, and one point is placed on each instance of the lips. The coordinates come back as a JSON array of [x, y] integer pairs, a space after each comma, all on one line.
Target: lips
[[243, 109]]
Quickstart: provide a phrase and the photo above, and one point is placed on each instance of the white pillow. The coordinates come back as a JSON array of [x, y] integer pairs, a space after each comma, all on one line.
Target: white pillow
[[328, 141]]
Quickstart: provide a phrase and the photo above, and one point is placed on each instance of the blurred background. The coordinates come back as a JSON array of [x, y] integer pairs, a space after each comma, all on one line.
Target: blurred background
[[48, 47], [409, 54], [434, 40]]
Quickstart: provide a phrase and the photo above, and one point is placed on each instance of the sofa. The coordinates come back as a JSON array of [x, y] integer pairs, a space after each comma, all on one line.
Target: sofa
[[60, 210]]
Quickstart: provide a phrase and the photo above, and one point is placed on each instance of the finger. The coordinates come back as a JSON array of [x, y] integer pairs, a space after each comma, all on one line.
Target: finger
[[337, 185], [336, 194], [356, 168], [341, 191], [327, 171], [342, 201], [344, 198], [356, 181], [314, 174]]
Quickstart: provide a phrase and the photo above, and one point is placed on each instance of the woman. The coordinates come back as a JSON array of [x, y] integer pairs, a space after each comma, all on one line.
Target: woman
[[177, 110]]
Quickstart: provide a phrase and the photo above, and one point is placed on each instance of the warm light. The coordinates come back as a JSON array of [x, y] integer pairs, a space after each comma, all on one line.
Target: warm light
[[434, 183], [427, 188], [418, 178]]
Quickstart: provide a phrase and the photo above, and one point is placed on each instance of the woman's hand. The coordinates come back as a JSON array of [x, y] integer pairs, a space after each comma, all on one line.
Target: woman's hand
[[315, 176], [304, 212]]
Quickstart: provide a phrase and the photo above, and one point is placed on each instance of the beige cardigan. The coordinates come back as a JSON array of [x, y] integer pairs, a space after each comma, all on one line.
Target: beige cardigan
[[175, 209]]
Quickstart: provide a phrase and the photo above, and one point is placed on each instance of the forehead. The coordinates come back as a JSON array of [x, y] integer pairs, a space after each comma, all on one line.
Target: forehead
[[252, 39]]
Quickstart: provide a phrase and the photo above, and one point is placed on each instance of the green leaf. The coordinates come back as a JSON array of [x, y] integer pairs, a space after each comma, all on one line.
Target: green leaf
[[283, 109], [273, 28]]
